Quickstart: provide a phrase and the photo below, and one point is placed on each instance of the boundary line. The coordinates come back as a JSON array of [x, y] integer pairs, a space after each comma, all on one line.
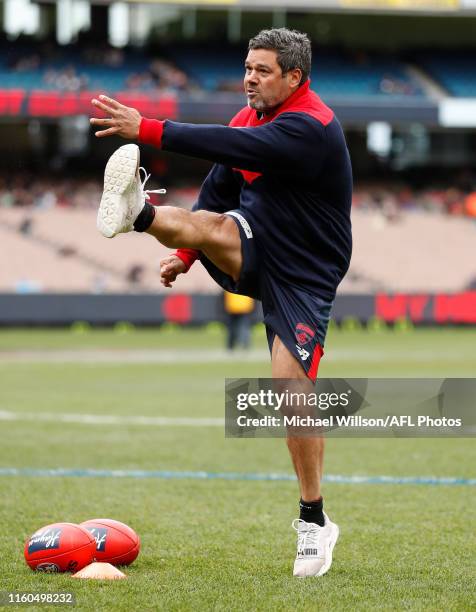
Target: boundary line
[[111, 419], [169, 475]]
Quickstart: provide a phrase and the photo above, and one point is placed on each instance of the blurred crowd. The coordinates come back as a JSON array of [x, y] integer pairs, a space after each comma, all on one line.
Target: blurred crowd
[[390, 200], [79, 67], [59, 73], [161, 75], [45, 193], [392, 85], [393, 201]]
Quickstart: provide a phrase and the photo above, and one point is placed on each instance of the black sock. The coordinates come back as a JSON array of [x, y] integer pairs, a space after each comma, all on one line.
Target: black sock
[[145, 218], [311, 511]]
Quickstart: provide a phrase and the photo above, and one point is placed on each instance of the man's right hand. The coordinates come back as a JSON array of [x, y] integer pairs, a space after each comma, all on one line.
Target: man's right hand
[[170, 268], [122, 120]]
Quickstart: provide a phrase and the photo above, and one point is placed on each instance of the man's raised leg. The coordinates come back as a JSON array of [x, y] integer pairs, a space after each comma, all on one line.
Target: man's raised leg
[[216, 235], [317, 535], [124, 208]]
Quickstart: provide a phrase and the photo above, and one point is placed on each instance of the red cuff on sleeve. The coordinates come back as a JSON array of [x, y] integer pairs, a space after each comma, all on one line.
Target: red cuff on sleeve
[[188, 256], [150, 132]]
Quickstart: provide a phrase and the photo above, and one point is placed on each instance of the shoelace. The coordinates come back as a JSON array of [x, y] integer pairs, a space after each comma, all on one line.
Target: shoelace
[[308, 538], [144, 181]]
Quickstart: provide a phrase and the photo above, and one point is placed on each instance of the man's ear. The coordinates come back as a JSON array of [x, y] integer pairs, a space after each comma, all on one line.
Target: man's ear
[[294, 77]]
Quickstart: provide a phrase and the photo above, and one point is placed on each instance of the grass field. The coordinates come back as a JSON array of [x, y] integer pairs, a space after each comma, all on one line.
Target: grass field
[[214, 543]]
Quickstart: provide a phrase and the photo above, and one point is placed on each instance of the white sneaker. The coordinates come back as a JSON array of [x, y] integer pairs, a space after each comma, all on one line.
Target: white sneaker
[[314, 548], [124, 196]]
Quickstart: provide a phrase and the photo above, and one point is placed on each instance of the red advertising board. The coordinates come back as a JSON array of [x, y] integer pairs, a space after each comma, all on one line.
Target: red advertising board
[[11, 101], [437, 308], [51, 104]]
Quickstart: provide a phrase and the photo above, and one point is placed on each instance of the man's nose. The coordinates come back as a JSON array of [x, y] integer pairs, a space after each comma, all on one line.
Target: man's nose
[[252, 77]]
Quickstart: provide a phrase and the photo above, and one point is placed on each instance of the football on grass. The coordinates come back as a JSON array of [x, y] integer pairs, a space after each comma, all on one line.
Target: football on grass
[[60, 547], [116, 542]]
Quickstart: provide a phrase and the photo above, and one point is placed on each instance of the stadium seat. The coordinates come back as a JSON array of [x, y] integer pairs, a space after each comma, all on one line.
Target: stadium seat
[[64, 252]]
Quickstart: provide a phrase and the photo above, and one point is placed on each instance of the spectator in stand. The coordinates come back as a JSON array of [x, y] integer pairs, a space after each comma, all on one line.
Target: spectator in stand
[[395, 86], [167, 76], [65, 79]]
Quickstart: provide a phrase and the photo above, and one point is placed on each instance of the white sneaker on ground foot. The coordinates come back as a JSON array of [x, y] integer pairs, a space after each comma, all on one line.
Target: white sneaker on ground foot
[[314, 548], [124, 196]]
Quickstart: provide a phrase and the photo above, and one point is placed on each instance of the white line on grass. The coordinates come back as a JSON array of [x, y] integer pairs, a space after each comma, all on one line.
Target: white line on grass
[[169, 356], [107, 419], [169, 475], [179, 356]]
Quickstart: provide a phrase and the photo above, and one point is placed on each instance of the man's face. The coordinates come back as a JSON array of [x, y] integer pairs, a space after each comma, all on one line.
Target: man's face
[[265, 85]]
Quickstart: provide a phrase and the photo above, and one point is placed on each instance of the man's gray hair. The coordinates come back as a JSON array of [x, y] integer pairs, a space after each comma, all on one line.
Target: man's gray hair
[[293, 49]]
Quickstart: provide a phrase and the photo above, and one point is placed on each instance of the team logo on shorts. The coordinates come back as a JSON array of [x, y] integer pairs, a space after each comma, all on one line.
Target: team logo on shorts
[[304, 333]]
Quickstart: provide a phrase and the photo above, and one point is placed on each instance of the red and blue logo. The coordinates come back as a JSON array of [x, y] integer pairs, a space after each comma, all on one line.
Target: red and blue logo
[[304, 334]]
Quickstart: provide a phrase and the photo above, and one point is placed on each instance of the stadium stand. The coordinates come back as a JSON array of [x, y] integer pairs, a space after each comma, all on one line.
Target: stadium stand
[[334, 72], [59, 250], [187, 68], [391, 198], [72, 68], [454, 70], [417, 252], [362, 74]]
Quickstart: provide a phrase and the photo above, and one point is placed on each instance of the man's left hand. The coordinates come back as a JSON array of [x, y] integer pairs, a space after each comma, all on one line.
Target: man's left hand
[[122, 120]]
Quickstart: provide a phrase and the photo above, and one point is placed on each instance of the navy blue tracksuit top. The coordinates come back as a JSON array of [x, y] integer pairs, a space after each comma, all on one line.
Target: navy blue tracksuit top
[[290, 173]]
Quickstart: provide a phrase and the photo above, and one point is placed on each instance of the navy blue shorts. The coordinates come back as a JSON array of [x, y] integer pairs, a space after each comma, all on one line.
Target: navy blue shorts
[[298, 317]]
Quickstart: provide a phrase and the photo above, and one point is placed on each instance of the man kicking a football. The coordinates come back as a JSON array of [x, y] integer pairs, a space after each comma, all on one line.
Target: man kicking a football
[[272, 221]]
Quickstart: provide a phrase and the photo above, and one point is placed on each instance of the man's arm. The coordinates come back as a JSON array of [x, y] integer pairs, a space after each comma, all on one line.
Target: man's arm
[[294, 144]]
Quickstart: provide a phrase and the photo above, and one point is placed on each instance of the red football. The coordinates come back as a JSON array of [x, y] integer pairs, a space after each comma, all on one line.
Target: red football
[[116, 543], [60, 547]]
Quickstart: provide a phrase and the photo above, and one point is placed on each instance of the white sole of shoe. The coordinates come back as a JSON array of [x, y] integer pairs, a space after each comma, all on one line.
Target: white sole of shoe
[[330, 548], [119, 175]]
